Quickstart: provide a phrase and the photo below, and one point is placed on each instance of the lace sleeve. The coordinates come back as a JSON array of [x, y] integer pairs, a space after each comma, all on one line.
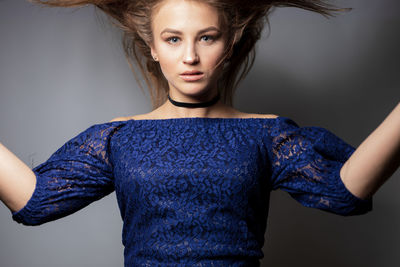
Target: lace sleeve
[[77, 174], [306, 162]]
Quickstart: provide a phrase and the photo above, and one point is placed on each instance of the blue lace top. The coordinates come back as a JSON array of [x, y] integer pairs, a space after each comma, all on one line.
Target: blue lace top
[[193, 191]]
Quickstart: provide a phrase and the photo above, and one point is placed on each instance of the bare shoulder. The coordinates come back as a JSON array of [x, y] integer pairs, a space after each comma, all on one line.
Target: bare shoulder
[[237, 114], [135, 117], [262, 116], [119, 119], [265, 116]]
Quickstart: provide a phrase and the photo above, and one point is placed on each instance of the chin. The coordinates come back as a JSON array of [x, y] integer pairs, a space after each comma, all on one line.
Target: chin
[[194, 90]]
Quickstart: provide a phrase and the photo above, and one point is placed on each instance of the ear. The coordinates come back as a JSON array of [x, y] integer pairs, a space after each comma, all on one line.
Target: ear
[[153, 52]]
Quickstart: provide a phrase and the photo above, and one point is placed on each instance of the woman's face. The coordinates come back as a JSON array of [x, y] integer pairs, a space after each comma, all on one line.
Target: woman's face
[[188, 38]]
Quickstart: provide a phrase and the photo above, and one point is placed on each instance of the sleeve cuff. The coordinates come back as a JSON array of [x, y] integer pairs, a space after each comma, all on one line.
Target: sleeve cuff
[[359, 206], [26, 214]]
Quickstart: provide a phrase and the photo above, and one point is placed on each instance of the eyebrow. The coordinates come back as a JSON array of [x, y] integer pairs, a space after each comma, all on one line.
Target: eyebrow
[[211, 28]]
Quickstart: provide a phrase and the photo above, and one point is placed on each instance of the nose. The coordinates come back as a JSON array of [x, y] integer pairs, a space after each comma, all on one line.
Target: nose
[[190, 55]]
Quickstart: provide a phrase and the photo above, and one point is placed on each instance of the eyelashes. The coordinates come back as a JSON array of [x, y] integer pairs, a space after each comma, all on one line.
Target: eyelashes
[[210, 37], [170, 40], [173, 40]]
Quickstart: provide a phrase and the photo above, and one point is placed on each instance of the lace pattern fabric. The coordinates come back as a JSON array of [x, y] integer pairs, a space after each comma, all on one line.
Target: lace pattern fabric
[[193, 191], [306, 163], [77, 174]]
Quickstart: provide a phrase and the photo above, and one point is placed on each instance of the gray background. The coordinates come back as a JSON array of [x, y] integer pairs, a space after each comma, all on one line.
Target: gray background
[[63, 70]]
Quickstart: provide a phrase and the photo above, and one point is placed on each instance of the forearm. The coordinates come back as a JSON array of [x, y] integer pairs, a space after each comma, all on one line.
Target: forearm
[[376, 159], [17, 180]]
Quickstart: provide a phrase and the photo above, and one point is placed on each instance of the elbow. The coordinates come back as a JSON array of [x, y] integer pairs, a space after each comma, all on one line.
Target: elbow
[[345, 205], [355, 207], [27, 218], [29, 222]]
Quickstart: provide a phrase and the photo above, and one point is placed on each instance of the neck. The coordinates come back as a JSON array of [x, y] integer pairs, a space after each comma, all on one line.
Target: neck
[[168, 109]]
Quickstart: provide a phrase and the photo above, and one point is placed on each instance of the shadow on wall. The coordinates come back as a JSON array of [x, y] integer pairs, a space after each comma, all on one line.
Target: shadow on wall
[[352, 103]]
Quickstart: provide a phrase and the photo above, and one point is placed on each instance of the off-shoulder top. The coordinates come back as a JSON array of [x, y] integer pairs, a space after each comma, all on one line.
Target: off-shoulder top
[[193, 191]]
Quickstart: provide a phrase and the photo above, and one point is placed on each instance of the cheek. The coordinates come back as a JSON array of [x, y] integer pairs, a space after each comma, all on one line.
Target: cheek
[[168, 66], [167, 61], [211, 57]]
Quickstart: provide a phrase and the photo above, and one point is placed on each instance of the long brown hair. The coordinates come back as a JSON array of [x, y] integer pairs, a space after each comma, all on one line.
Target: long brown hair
[[246, 20]]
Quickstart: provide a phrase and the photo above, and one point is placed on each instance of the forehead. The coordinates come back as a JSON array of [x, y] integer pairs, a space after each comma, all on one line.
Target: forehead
[[184, 14]]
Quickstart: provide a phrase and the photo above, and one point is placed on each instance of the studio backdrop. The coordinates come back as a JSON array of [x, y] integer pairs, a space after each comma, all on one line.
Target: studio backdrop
[[63, 70]]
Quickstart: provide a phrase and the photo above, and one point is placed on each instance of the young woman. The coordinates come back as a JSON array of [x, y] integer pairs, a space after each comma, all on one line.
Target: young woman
[[193, 176]]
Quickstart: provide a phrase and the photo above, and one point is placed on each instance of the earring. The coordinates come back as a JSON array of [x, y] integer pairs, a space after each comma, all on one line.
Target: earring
[[155, 58]]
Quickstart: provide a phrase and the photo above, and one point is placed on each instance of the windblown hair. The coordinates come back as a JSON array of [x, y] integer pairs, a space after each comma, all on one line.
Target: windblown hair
[[243, 22]]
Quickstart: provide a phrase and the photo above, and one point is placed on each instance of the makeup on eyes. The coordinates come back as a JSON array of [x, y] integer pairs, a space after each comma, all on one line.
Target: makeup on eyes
[[210, 37]]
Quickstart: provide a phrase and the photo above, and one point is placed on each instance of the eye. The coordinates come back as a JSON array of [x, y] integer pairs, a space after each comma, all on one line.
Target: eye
[[172, 40], [207, 38]]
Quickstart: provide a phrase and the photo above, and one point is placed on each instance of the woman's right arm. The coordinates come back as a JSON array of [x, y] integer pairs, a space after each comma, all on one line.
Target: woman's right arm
[[17, 180], [78, 173]]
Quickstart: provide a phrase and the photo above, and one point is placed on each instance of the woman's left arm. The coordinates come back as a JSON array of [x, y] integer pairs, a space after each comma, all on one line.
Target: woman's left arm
[[375, 160]]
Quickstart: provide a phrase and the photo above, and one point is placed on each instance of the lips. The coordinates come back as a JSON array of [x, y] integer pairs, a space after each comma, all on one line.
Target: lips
[[192, 75], [191, 72]]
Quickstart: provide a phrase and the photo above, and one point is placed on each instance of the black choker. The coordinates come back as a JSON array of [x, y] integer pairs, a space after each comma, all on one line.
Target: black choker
[[195, 105]]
